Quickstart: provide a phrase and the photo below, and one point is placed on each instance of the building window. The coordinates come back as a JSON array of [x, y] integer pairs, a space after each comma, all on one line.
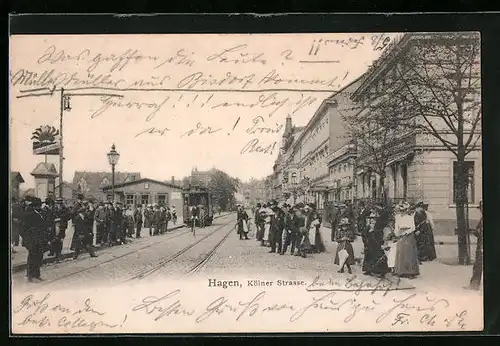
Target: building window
[[144, 199], [129, 199], [162, 199], [469, 169], [146, 186]]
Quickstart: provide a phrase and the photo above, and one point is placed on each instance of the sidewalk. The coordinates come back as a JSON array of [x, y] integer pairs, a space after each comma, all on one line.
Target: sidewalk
[[18, 259], [438, 239]]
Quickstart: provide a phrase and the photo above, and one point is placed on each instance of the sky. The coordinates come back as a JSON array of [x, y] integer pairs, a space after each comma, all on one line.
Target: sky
[[173, 102]]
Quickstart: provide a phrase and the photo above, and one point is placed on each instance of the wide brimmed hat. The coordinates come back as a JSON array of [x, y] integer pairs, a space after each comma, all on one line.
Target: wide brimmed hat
[[311, 205], [405, 206], [299, 206], [420, 205], [59, 200]]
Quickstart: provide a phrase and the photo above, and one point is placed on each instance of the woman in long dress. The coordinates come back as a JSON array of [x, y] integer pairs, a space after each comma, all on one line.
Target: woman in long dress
[[345, 236], [406, 261], [242, 222], [424, 234], [375, 259]]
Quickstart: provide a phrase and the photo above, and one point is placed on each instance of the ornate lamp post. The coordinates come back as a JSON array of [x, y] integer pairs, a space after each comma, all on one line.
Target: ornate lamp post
[[113, 157]]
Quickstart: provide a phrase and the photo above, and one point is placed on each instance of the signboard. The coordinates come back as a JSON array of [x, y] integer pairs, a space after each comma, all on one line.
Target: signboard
[[46, 140]]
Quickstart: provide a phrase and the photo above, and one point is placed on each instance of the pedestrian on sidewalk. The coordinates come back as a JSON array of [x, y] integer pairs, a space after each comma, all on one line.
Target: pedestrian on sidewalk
[[289, 236], [35, 238], [100, 221], [424, 234], [345, 236], [129, 221], [375, 259], [138, 221], [477, 268], [406, 261], [157, 220], [276, 228], [83, 234], [61, 217], [149, 219], [242, 223]]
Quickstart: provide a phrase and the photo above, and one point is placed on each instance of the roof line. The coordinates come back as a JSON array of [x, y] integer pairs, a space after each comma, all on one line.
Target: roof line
[[142, 180]]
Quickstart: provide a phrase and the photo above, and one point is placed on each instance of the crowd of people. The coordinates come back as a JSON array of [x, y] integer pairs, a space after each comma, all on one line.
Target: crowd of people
[[397, 238], [41, 226]]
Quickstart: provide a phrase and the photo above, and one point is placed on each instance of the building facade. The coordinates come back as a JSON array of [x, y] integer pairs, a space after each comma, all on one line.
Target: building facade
[[91, 184], [418, 167], [147, 191], [16, 179]]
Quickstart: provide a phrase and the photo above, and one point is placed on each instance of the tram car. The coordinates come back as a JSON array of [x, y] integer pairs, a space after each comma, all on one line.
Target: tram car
[[200, 197]]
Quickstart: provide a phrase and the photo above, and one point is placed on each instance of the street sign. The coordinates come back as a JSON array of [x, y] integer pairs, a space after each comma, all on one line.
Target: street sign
[[46, 140]]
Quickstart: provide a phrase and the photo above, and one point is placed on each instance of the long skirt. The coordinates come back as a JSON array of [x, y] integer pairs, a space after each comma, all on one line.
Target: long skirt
[[425, 244], [406, 262], [375, 259], [345, 245], [319, 245], [267, 228]]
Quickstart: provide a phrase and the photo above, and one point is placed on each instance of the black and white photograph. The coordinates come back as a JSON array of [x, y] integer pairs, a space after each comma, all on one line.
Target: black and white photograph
[[246, 183]]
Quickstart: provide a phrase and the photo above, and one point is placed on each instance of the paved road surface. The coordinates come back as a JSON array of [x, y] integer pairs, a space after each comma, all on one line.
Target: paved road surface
[[214, 252]]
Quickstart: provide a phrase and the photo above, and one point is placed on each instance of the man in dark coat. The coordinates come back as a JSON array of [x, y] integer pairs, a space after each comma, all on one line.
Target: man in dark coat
[[289, 234], [82, 234], [157, 220], [138, 220], [100, 223], [50, 225], [241, 216], [35, 238], [277, 225], [258, 222]]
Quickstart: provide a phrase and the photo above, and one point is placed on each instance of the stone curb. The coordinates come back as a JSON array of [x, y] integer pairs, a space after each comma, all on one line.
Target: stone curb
[[47, 260]]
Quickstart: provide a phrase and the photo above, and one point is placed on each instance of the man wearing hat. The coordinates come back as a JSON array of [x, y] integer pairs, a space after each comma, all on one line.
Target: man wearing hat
[[34, 238], [82, 234], [100, 223], [17, 212], [277, 220], [61, 217], [258, 222]]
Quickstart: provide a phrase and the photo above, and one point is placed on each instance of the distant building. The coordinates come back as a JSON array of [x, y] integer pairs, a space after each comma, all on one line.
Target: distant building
[[146, 191], [90, 184], [69, 192], [16, 179]]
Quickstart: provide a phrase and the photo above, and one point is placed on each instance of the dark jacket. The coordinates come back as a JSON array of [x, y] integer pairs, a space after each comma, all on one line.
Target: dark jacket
[[138, 217], [33, 230]]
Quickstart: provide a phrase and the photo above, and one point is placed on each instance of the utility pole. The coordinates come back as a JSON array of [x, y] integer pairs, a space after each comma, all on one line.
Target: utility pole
[[61, 155]]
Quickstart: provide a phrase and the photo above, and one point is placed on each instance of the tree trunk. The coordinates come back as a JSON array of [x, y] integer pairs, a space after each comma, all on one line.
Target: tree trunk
[[461, 200], [381, 189]]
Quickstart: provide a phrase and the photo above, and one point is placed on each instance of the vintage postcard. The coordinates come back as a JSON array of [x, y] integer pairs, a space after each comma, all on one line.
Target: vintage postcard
[[246, 183]]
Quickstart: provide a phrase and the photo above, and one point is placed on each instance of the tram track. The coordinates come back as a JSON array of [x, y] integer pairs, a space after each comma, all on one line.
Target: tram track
[[161, 264], [200, 264], [134, 251]]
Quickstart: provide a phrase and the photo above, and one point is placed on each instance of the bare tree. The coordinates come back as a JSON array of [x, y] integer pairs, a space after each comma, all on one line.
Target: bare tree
[[434, 91]]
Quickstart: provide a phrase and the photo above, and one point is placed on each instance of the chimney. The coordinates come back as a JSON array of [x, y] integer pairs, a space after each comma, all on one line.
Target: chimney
[[288, 126], [172, 180]]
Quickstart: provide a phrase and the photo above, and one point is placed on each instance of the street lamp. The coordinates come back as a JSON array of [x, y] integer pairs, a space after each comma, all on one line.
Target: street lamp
[[113, 157]]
